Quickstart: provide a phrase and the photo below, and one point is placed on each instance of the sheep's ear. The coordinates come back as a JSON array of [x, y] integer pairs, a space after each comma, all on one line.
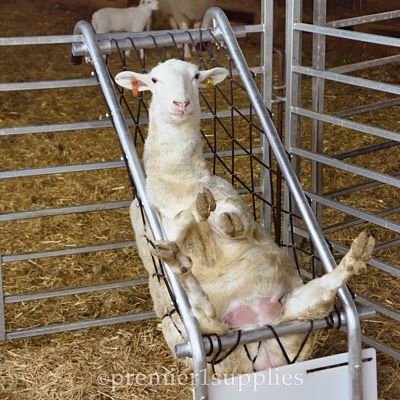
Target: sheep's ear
[[125, 78], [216, 75]]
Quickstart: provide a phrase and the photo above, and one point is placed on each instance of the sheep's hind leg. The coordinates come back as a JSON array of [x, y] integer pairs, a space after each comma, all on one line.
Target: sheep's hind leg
[[181, 265], [315, 299]]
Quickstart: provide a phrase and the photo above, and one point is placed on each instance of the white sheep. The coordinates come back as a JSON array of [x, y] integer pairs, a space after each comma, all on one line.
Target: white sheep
[[131, 19], [235, 276], [185, 15]]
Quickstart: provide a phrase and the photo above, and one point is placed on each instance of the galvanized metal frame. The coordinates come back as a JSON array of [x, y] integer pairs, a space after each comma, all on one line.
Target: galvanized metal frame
[[197, 350]]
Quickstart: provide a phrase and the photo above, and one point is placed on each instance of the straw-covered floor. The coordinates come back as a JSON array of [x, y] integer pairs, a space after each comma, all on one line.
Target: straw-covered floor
[[129, 361]]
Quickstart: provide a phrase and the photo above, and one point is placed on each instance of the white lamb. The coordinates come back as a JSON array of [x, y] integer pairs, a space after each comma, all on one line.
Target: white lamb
[[185, 15], [235, 276], [131, 19]]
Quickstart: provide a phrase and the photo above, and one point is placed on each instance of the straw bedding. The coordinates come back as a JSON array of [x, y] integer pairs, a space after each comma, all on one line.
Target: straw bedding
[[102, 363]]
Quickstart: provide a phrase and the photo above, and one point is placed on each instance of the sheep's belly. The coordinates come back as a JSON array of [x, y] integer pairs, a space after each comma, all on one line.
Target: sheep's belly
[[255, 312]]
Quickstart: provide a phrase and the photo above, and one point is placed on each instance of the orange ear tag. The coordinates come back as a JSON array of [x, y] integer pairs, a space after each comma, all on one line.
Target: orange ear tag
[[209, 83], [135, 87]]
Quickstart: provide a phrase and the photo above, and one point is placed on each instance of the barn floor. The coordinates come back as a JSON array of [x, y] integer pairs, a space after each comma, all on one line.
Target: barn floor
[[102, 363]]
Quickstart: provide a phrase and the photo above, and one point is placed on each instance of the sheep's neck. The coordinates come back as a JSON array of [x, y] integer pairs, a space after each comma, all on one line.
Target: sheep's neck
[[175, 151]]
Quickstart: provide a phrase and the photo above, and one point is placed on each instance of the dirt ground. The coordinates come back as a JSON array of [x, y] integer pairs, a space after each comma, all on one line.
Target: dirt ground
[[100, 363]]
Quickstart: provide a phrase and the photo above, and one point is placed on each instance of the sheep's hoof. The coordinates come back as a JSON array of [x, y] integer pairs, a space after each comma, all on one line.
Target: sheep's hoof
[[165, 251], [205, 203], [169, 253], [360, 253], [231, 224]]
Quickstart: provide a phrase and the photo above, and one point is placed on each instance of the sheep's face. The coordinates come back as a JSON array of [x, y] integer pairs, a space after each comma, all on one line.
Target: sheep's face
[[175, 88], [150, 4]]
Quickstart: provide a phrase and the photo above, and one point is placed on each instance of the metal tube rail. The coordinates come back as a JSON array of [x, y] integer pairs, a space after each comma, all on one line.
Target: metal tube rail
[[79, 167], [212, 344], [68, 251], [17, 298], [383, 133], [63, 127], [360, 171], [354, 188], [354, 337], [381, 347], [145, 41], [75, 126], [366, 150], [365, 64], [134, 165], [45, 212], [71, 326], [350, 80], [357, 221], [345, 34], [378, 264], [365, 300], [341, 23], [383, 266], [370, 107], [355, 212], [39, 40], [61, 169], [56, 84]]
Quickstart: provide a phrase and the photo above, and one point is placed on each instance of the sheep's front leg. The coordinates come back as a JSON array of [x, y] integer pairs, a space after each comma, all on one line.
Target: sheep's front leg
[[204, 205], [315, 299], [187, 53], [181, 265], [231, 224], [225, 218]]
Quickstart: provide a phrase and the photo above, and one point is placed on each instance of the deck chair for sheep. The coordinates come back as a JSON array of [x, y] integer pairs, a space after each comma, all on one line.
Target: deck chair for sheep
[[268, 163]]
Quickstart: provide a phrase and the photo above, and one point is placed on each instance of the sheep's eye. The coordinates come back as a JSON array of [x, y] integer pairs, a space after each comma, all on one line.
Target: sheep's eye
[[197, 76], [154, 80]]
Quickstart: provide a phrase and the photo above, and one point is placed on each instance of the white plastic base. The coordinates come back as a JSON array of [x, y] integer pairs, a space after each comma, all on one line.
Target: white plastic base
[[324, 378]]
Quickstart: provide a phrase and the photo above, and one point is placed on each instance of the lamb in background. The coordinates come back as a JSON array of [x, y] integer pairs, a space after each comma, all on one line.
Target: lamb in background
[[235, 276], [185, 15], [131, 19]]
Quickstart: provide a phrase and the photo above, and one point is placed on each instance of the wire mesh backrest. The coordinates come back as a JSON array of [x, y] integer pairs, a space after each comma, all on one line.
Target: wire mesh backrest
[[234, 143]]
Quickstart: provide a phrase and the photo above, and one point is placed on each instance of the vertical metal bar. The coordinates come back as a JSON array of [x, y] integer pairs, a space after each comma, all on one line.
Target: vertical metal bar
[[293, 97], [2, 310], [318, 87], [133, 160], [279, 181], [267, 20]]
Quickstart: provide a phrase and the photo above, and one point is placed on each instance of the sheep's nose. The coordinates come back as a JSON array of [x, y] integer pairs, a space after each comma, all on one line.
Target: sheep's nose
[[181, 105]]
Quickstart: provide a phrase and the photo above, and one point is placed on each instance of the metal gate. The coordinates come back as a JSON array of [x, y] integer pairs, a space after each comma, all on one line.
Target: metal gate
[[52, 182], [328, 122]]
